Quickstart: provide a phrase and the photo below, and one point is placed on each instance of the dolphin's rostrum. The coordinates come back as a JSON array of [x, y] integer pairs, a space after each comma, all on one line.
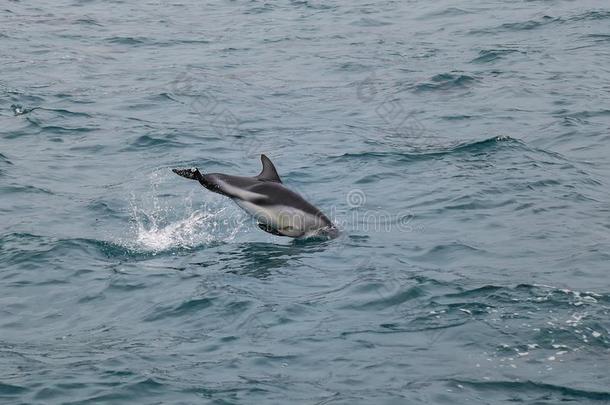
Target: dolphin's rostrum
[[277, 209]]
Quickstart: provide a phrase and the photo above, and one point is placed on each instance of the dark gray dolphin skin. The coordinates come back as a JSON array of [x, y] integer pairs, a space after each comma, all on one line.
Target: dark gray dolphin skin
[[278, 210]]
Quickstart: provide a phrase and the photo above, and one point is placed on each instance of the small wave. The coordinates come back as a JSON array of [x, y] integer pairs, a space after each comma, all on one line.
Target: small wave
[[184, 308], [18, 188], [492, 55], [591, 15], [369, 22], [528, 25], [448, 12], [64, 112], [599, 37], [5, 160], [489, 143], [57, 129], [525, 387], [518, 26], [186, 42], [164, 97], [265, 8], [465, 147], [581, 115], [25, 247], [447, 81], [147, 141], [127, 391], [127, 40], [531, 293], [87, 21], [551, 321], [316, 5], [449, 252], [8, 390]]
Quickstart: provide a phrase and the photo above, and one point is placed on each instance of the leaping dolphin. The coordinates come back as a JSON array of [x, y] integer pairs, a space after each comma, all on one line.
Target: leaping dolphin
[[278, 210]]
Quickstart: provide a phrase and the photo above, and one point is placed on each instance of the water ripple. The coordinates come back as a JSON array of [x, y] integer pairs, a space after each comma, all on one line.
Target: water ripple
[[473, 270]]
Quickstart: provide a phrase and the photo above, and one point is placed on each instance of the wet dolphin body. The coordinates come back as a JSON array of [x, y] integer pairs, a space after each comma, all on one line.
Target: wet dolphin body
[[278, 210]]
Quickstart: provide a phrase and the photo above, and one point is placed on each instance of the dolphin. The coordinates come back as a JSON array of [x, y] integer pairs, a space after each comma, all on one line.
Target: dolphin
[[277, 210]]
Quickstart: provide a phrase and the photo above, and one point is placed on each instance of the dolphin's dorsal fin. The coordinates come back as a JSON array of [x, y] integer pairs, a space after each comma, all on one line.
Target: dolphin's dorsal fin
[[268, 173]]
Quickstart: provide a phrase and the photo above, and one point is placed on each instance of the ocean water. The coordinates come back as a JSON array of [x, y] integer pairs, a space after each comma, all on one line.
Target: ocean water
[[461, 147]]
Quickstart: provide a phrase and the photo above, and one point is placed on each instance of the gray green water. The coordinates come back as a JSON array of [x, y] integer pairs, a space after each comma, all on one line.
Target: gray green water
[[462, 147]]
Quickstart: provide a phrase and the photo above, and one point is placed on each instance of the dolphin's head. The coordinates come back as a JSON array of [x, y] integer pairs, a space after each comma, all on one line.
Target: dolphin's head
[[192, 173], [211, 181]]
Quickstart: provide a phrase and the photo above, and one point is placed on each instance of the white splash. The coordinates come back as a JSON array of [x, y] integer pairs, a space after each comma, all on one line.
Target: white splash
[[188, 232], [158, 226]]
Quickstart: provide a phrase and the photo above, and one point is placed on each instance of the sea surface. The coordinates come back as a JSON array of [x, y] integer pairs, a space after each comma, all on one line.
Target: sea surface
[[460, 146]]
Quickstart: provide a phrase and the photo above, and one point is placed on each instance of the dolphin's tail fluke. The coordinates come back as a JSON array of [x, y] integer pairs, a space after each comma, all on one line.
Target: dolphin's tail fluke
[[193, 174]]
